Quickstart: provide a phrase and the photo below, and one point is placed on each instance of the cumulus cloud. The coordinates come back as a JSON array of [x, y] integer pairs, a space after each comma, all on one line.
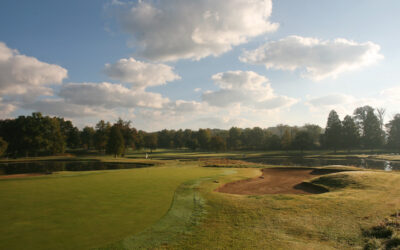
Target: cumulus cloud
[[58, 107], [21, 74], [245, 88], [6, 109], [110, 96], [181, 29], [140, 74], [320, 59], [342, 103]]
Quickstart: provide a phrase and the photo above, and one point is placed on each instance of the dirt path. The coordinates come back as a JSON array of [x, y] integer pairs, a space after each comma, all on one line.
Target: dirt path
[[278, 181]]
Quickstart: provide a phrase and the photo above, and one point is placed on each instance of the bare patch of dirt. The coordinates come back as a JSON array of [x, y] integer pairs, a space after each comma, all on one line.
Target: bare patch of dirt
[[279, 181], [12, 176]]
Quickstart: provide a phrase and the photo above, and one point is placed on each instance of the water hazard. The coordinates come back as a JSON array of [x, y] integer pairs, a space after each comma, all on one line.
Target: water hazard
[[48, 167], [313, 162]]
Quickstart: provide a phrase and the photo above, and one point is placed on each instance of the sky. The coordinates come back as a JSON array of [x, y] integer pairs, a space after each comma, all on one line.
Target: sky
[[198, 64]]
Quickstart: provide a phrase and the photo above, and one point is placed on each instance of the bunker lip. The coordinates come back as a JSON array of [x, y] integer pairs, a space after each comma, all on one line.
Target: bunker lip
[[279, 181]]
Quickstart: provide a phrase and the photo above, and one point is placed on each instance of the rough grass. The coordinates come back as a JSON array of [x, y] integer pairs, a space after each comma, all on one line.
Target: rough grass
[[333, 220], [82, 210]]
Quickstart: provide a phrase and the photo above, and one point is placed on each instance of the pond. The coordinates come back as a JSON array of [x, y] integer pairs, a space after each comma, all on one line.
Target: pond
[[47, 167], [313, 162]]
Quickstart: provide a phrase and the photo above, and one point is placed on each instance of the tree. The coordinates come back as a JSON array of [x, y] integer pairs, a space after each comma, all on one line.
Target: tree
[[217, 143], [165, 139], [287, 139], [87, 137], [393, 128], [234, 138], [302, 140], [179, 139], [315, 133], [350, 133], [360, 115], [204, 137], [150, 141], [101, 135], [381, 116], [333, 131], [373, 135], [127, 133], [3, 146], [115, 143], [256, 138]]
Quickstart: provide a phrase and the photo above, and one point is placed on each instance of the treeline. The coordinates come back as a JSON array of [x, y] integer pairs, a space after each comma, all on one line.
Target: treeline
[[40, 135]]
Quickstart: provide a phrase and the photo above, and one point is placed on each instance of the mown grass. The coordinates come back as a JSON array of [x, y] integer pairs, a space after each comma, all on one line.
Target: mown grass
[[87, 209]]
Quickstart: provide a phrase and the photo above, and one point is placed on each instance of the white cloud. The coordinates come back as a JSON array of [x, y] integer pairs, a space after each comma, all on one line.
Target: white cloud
[[110, 95], [246, 88], [6, 109], [58, 107], [140, 74], [20, 74], [181, 29], [391, 94], [342, 103], [320, 59]]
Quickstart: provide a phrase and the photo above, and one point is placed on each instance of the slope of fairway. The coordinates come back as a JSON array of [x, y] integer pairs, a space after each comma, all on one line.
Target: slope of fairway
[[87, 209]]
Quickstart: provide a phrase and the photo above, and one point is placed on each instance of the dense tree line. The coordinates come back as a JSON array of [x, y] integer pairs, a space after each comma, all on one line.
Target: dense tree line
[[39, 135]]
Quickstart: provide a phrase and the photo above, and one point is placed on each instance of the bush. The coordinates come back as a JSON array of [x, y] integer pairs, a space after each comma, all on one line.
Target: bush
[[393, 243], [379, 232]]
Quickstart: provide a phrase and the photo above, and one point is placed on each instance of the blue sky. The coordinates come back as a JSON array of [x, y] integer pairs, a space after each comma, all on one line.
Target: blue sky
[[199, 63]]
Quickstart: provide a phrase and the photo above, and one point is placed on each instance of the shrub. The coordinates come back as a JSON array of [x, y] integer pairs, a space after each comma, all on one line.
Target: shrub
[[379, 232]]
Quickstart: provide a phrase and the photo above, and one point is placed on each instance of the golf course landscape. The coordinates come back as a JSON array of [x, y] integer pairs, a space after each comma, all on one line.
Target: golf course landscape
[[185, 200]]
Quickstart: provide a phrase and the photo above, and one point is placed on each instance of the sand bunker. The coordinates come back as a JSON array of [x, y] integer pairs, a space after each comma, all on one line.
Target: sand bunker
[[279, 181]]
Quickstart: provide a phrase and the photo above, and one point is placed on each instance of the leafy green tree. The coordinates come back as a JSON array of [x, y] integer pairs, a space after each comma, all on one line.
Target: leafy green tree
[[373, 135], [273, 142], [101, 135], [360, 116], [87, 137], [234, 141], [256, 138], [303, 140], [127, 133], [179, 139], [165, 138], [393, 128], [115, 143], [333, 131], [151, 141], [350, 133], [3, 146], [315, 132], [204, 137], [217, 143]]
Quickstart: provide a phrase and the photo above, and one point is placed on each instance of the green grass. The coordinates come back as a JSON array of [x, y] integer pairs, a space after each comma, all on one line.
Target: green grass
[[87, 209], [174, 206]]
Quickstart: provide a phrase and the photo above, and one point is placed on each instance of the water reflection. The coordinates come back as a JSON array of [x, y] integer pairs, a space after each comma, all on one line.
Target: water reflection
[[47, 167], [313, 162]]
